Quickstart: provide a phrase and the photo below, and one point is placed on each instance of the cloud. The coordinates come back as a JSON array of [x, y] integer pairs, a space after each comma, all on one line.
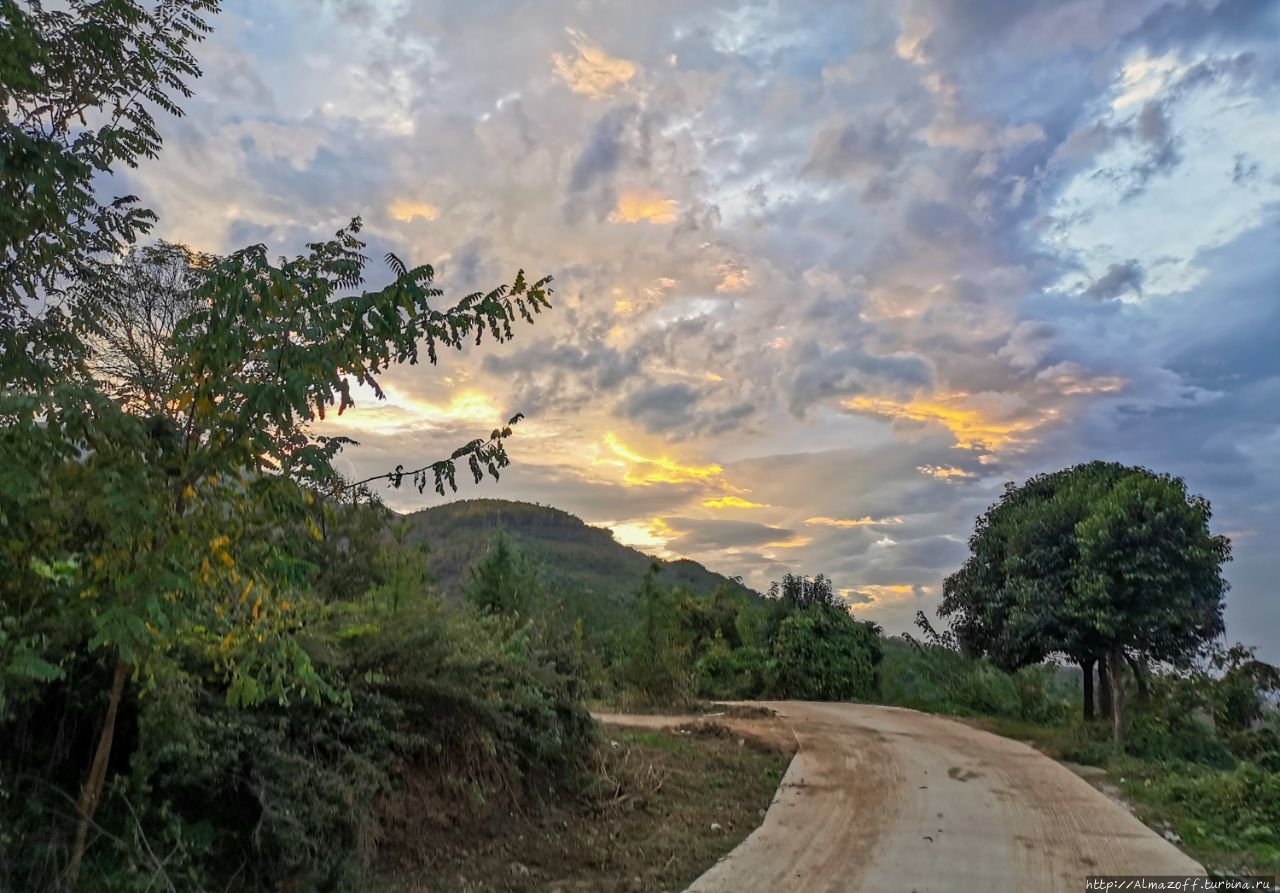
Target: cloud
[[589, 70], [866, 521], [407, 210], [645, 207], [946, 473], [1118, 280], [731, 502], [828, 278]]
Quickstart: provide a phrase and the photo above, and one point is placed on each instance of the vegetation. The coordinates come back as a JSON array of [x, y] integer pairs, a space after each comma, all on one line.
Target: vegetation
[[799, 642], [191, 695], [590, 574], [666, 805], [1100, 563]]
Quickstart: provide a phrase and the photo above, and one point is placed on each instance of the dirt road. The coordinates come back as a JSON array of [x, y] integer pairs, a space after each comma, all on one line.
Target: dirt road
[[882, 799]]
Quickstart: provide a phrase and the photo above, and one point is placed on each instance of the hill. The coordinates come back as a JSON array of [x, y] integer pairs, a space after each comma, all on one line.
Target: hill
[[593, 574]]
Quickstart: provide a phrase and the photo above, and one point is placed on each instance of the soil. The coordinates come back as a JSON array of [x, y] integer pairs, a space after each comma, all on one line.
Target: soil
[[672, 801]]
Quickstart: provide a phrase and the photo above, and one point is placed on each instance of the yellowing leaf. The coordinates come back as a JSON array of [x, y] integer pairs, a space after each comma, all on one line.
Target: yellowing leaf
[[226, 559], [218, 542], [244, 596], [315, 530], [257, 608]]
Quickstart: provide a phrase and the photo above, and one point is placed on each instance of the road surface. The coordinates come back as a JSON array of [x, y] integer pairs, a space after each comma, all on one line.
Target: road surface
[[884, 799]]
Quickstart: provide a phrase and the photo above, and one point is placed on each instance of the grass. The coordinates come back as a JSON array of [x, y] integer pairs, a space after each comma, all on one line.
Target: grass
[[669, 805], [1226, 819]]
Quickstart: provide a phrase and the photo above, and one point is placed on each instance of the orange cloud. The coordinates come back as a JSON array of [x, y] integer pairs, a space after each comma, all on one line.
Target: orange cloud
[[988, 422], [732, 278], [880, 592], [406, 209], [945, 472], [867, 521], [644, 207], [642, 470], [731, 502], [590, 71]]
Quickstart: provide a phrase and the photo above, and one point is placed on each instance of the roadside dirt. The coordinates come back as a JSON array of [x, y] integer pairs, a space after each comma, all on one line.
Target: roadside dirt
[[669, 802], [880, 798]]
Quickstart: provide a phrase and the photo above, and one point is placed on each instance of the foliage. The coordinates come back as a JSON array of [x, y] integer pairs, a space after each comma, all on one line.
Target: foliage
[[78, 85], [505, 581], [940, 680], [821, 653], [1098, 561], [655, 665], [799, 643]]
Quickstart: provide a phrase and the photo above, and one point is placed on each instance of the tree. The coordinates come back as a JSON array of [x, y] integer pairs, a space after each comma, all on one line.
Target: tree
[[1149, 580], [504, 581], [1103, 563], [165, 528], [109, 63], [655, 660], [821, 653]]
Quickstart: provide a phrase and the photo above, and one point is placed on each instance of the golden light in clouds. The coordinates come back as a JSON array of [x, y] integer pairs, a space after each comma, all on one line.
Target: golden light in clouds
[[732, 278], [400, 412], [407, 209], [794, 542], [882, 593], [644, 207], [652, 535], [867, 521], [978, 422], [731, 502], [945, 472], [641, 470], [590, 71]]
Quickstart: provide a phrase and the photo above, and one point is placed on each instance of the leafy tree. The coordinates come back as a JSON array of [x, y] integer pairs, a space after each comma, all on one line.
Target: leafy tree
[[655, 659], [504, 581], [161, 527], [1099, 562], [821, 653], [77, 86]]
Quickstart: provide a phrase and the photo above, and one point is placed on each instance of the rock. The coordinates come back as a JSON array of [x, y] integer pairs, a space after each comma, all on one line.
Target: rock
[[716, 828], [519, 869], [1172, 837]]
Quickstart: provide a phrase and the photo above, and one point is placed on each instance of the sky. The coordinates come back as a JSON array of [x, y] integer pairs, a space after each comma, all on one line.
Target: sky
[[827, 274]]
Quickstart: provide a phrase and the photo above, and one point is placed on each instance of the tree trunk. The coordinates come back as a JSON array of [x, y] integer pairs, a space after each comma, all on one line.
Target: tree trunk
[[1086, 667], [1115, 664], [1104, 688], [1138, 665], [91, 793]]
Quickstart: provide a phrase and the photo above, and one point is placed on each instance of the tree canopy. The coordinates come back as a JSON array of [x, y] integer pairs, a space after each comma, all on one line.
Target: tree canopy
[[1098, 561]]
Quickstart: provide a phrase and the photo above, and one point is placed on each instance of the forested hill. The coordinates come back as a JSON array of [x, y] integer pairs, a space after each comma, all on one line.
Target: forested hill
[[582, 565]]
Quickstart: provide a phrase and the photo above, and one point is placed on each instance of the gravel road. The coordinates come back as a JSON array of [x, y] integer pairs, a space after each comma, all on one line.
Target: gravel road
[[883, 799]]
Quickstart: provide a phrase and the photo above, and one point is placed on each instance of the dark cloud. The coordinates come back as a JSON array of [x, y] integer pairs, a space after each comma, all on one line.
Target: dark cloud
[[1118, 280], [696, 534], [875, 145]]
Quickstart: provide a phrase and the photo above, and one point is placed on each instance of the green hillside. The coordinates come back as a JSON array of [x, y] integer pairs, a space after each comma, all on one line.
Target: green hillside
[[584, 567]]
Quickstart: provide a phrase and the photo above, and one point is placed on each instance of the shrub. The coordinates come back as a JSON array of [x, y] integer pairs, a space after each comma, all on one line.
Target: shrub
[[821, 653], [940, 680]]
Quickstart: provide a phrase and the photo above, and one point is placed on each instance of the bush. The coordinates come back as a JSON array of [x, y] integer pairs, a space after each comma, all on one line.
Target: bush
[[939, 680], [448, 717], [821, 653], [1227, 809], [729, 674]]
